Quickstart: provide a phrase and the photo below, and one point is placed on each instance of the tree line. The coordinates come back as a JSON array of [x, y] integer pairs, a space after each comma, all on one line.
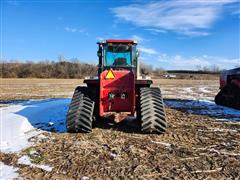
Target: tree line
[[74, 69], [46, 69]]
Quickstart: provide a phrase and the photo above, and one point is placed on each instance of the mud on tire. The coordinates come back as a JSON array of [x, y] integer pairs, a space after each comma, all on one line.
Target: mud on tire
[[152, 113], [80, 113]]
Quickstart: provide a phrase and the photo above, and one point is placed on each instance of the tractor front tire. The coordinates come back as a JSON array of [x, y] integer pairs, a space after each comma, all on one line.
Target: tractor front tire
[[152, 113], [80, 113]]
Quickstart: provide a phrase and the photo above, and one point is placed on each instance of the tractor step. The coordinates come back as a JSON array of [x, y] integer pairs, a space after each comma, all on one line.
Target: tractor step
[[152, 113]]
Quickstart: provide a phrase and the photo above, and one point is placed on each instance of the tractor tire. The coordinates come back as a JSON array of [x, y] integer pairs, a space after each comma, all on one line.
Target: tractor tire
[[229, 96], [80, 113], [152, 113]]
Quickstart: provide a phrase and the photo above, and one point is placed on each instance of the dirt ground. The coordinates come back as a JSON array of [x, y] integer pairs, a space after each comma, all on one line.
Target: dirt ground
[[195, 146]]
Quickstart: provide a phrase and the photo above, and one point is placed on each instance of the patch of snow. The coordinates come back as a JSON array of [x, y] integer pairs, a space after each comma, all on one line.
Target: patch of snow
[[204, 90], [190, 92], [219, 130], [113, 155], [14, 130], [162, 143], [8, 172], [187, 89], [51, 123], [33, 152], [45, 167], [205, 107], [85, 178], [41, 136], [223, 130], [25, 160], [27, 119], [228, 122], [224, 152], [207, 171]]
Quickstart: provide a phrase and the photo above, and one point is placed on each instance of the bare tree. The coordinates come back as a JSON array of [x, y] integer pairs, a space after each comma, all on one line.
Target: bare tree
[[215, 68]]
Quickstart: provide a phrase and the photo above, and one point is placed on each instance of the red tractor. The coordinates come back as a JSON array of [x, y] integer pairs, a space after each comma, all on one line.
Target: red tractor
[[229, 94], [118, 92]]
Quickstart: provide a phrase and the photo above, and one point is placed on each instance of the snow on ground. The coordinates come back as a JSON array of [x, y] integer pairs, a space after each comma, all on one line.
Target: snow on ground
[[26, 119], [15, 129], [204, 90], [8, 172], [204, 107], [198, 100], [25, 160], [190, 92]]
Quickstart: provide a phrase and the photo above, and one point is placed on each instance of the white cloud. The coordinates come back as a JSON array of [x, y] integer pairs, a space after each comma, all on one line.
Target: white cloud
[[156, 30], [70, 29], [195, 33], [75, 30], [181, 62], [235, 62], [192, 61], [187, 17], [148, 51], [137, 38]]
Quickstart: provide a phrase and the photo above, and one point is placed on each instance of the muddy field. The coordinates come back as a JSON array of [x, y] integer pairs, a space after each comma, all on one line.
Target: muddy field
[[202, 140]]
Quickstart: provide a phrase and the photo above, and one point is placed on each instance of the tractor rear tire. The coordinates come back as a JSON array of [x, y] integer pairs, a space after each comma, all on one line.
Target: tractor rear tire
[[229, 96], [80, 113], [152, 113]]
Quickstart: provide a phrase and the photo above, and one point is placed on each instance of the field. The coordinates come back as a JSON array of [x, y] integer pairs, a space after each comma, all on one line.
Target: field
[[202, 140], [22, 89]]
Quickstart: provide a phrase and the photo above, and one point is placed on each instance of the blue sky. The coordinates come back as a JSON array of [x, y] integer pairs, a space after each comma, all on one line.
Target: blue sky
[[172, 34]]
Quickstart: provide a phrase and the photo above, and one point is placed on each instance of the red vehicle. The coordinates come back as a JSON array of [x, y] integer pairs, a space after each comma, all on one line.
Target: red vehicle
[[118, 91], [229, 94]]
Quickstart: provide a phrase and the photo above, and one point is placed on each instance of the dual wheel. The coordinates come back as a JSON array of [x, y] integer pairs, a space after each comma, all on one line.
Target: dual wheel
[[83, 109]]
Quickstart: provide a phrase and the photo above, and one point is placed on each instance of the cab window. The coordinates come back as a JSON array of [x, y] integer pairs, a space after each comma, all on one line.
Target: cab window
[[118, 55]]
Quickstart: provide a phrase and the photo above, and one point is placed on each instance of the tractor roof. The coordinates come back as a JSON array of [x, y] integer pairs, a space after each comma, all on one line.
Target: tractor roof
[[118, 41]]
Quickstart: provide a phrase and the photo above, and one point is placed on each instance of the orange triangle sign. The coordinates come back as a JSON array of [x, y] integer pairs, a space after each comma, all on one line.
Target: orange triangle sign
[[110, 75]]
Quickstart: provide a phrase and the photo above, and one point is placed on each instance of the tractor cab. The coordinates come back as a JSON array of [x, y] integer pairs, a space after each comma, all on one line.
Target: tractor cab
[[117, 55]]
